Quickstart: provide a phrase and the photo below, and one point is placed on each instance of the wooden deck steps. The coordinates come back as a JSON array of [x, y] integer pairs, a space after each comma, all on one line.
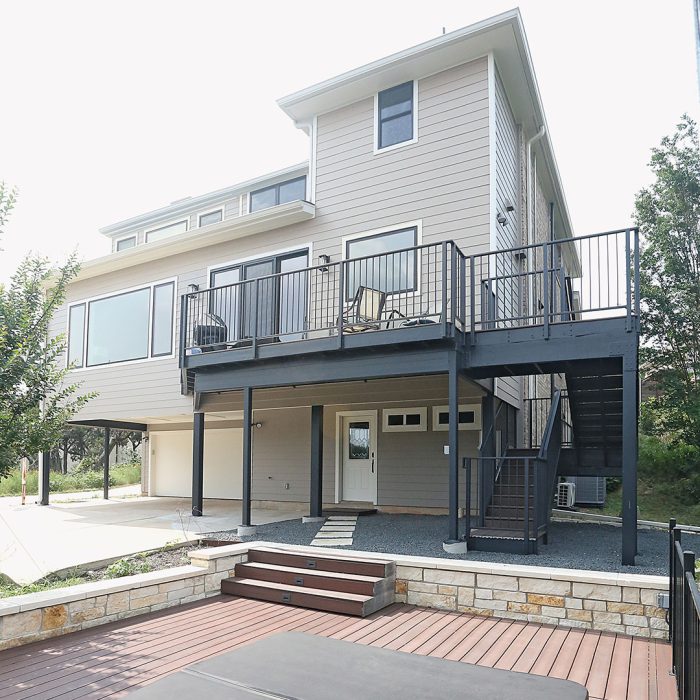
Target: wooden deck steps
[[347, 585]]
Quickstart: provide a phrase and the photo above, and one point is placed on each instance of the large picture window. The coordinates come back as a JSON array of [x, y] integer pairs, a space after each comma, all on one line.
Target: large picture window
[[131, 325], [386, 271], [395, 115], [283, 192]]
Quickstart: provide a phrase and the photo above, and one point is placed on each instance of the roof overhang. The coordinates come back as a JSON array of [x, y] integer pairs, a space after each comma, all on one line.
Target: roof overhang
[[226, 230], [502, 35]]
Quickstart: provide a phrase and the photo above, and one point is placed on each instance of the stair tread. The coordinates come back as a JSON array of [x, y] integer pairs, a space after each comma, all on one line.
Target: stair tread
[[320, 592], [323, 556], [498, 533], [311, 572]]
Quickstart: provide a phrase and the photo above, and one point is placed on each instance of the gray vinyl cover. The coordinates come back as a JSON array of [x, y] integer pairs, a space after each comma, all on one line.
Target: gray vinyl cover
[[297, 666]]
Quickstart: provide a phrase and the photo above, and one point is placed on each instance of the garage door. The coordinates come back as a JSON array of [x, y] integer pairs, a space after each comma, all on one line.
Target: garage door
[[171, 463]]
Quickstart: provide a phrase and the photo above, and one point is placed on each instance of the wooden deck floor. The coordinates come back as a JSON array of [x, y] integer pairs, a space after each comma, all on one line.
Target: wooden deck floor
[[110, 660]]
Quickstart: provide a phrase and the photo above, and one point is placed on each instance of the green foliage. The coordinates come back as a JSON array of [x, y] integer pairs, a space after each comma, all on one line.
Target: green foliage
[[672, 466], [86, 480], [35, 401], [45, 584], [127, 567], [668, 214]]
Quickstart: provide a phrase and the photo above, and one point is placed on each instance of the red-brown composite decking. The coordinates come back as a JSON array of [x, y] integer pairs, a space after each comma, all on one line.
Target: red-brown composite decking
[[111, 660]]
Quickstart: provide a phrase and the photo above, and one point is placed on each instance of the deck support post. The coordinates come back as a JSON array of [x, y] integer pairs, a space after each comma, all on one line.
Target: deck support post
[[105, 465], [630, 400], [316, 485], [44, 473], [453, 447], [246, 527], [198, 464]]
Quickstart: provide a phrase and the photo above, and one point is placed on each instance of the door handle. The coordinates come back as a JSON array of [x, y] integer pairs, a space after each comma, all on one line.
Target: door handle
[[372, 462]]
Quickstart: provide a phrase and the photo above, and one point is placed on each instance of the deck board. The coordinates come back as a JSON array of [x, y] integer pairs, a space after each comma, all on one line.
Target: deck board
[[111, 660]]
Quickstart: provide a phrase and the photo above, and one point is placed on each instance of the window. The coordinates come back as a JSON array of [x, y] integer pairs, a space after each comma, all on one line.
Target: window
[[469, 417], [395, 115], [132, 325], [399, 420], [283, 192], [126, 243], [211, 217], [390, 272], [76, 334], [281, 302], [156, 234]]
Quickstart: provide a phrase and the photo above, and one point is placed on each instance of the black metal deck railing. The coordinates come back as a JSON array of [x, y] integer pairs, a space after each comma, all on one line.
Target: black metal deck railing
[[536, 411], [552, 282], [684, 616]]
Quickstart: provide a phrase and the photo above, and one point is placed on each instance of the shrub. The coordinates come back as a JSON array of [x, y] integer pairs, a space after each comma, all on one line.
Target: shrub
[[127, 567], [673, 467]]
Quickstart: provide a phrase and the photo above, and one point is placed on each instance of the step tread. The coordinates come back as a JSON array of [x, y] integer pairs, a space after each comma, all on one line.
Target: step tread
[[499, 534], [320, 592], [322, 555], [311, 572]]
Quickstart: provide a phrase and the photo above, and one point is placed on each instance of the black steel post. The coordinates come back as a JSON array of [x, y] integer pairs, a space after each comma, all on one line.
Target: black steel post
[[198, 465], [247, 454], [105, 466], [44, 473], [629, 462], [687, 598], [453, 446], [671, 555], [316, 496]]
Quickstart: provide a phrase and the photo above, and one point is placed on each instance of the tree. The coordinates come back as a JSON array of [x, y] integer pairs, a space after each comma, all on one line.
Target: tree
[[668, 215], [35, 401]]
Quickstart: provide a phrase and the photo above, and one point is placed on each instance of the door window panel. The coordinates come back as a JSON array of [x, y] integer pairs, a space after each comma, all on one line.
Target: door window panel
[[358, 440]]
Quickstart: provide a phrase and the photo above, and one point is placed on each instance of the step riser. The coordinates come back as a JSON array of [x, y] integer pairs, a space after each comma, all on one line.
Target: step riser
[[313, 579], [316, 563]]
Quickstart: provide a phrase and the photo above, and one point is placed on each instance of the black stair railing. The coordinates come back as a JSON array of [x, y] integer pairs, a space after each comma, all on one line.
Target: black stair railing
[[684, 616]]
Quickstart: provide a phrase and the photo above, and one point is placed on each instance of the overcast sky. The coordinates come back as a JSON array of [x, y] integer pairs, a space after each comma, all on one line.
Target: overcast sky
[[109, 109]]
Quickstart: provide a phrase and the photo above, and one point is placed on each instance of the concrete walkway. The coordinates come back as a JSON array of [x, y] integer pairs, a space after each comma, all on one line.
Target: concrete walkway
[[38, 540]]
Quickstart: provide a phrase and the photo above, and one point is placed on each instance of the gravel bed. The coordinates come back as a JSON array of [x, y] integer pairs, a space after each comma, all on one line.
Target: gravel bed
[[587, 546]]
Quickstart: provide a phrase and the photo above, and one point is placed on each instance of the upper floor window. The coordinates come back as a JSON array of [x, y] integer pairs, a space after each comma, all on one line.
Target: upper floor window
[[211, 217], [125, 243], [131, 325], [281, 193], [396, 115], [392, 265], [156, 234]]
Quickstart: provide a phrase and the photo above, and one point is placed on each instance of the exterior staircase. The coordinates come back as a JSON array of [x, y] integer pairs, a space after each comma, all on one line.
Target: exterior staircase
[[346, 585]]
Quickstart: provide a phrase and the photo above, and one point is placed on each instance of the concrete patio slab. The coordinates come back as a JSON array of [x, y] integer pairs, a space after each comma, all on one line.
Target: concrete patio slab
[[38, 540]]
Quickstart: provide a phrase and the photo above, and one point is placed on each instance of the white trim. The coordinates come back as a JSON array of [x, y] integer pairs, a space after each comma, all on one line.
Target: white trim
[[167, 224], [475, 407], [221, 208], [311, 183], [394, 146], [493, 160], [261, 256], [372, 415], [117, 241], [119, 292], [422, 411]]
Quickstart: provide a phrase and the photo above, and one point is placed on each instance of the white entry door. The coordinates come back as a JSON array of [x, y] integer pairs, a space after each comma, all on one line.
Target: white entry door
[[358, 448]]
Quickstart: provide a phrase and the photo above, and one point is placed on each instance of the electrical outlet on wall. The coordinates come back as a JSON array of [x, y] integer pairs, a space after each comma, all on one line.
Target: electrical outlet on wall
[[446, 449]]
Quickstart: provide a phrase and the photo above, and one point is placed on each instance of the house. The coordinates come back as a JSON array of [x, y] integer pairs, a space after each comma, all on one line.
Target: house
[[387, 324]]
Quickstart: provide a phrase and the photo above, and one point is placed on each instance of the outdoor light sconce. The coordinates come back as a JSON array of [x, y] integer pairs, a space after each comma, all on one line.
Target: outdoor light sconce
[[191, 289], [509, 205], [257, 425], [501, 218], [324, 260]]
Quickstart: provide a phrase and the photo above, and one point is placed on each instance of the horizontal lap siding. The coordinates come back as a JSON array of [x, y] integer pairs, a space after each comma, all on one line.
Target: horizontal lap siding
[[442, 179]]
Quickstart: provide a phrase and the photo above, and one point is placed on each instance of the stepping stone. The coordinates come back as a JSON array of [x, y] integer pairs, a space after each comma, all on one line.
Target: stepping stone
[[341, 522], [337, 528], [332, 543], [342, 517], [337, 535]]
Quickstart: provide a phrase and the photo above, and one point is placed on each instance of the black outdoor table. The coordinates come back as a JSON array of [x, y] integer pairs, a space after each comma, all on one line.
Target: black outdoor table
[[297, 666]]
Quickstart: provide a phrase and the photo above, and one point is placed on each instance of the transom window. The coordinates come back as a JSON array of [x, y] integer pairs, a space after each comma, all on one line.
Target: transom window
[[211, 217], [395, 115], [281, 193], [126, 243], [156, 234], [132, 325], [396, 420], [386, 271], [469, 417]]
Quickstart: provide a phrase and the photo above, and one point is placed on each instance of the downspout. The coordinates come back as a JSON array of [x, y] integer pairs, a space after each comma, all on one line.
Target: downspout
[[530, 233]]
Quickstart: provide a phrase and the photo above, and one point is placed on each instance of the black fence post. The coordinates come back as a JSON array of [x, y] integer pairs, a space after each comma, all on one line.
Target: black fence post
[[105, 465], [688, 609], [671, 557]]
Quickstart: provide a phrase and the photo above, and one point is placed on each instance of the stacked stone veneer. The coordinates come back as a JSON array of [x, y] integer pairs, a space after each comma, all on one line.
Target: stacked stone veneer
[[37, 616], [601, 601]]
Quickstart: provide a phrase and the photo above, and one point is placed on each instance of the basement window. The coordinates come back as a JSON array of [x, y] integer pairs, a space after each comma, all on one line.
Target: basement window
[[400, 420]]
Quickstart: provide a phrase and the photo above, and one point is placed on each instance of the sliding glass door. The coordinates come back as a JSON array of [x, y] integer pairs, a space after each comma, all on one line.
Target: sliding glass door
[[274, 307]]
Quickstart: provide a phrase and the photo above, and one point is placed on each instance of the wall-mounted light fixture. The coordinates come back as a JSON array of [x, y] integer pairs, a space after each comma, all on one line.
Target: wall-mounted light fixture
[[509, 205], [324, 260], [501, 218], [257, 425], [192, 288]]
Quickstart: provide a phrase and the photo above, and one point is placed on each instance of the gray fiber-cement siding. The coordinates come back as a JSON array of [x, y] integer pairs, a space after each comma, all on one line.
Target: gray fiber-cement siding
[[441, 180]]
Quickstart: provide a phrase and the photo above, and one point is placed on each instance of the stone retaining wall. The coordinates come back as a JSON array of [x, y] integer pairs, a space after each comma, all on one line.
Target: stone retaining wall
[[36, 616]]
